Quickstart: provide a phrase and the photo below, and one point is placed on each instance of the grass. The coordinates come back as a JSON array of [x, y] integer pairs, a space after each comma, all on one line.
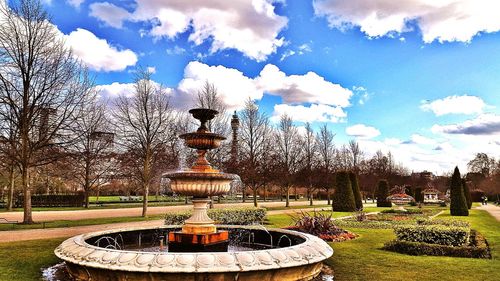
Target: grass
[[21, 261], [362, 258]]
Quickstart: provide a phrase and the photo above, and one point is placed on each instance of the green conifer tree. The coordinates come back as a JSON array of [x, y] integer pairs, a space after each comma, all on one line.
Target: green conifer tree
[[343, 198], [382, 193], [355, 190], [458, 204], [467, 194]]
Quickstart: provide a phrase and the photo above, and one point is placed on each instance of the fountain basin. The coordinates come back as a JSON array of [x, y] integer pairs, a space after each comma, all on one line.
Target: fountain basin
[[301, 259], [200, 184]]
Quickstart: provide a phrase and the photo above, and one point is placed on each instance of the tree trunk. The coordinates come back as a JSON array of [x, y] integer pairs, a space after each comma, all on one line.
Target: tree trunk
[[328, 196], [244, 195], [27, 216], [287, 197], [295, 190], [265, 194], [10, 195], [87, 194], [97, 194], [255, 197], [311, 198], [145, 200]]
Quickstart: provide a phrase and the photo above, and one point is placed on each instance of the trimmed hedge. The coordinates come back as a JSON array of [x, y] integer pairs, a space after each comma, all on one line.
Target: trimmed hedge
[[468, 198], [343, 198], [423, 221], [234, 216], [355, 190], [433, 234], [478, 248], [382, 193]]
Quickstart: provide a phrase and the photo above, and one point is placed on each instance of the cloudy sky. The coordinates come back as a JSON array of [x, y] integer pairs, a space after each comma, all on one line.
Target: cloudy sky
[[417, 77]]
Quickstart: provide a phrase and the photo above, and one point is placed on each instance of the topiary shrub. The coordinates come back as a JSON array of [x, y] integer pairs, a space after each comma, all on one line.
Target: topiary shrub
[[321, 225], [233, 216], [382, 193], [419, 196], [458, 204], [343, 198], [355, 190], [468, 197]]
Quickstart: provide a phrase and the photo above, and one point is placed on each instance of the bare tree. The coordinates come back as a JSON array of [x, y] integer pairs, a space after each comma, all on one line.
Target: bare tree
[[482, 164], [255, 135], [42, 88], [326, 148], [356, 154], [288, 146], [309, 158], [143, 124], [92, 151]]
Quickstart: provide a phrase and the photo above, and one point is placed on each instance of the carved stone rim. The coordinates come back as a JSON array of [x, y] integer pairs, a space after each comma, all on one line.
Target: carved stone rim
[[75, 250]]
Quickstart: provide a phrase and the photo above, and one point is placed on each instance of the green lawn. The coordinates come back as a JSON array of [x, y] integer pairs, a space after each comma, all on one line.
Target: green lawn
[[362, 258]]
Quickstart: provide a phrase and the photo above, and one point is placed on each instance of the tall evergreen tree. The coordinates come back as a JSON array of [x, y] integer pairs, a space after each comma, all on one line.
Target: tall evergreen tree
[[382, 193], [458, 205], [343, 198], [419, 197], [467, 194], [355, 189]]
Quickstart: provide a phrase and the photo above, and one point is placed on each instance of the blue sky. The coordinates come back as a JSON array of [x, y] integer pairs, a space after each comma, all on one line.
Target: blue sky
[[418, 77]]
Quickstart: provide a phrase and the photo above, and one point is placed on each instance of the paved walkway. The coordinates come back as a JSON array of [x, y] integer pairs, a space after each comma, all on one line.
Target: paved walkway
[[40, 216], [35, 234], [492, 209]]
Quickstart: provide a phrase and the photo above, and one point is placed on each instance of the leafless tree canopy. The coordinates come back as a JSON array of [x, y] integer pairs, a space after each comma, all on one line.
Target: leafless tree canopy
[[42, 88]]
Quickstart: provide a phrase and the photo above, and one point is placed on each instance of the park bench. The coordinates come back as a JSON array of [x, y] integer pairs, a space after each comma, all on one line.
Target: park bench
[[5, 221]]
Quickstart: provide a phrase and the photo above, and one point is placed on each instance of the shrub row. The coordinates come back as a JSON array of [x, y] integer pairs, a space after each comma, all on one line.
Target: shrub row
[[370, 224], [237, 216], [433, 234], [425, 221], [478, 248]]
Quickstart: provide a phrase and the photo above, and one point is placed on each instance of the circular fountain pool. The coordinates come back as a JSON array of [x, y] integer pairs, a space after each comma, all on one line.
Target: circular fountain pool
[[254, 253]]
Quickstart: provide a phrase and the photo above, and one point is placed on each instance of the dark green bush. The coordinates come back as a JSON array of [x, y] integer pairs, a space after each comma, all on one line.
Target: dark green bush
[[468, 198], [433, 234], [458, 204], [235, 216], [355, 190], [419, 196], [343, 198], [424, 221], [477, 248], [382, 193]]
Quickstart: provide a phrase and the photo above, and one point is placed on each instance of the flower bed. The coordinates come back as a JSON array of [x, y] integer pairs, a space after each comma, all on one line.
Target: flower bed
[[321, 225]]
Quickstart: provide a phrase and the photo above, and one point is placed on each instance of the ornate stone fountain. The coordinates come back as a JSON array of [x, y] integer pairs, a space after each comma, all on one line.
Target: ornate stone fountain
[[197, 250], [201, 181]]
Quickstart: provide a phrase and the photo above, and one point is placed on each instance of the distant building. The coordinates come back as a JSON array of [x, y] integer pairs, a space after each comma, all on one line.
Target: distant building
[[431, 195], [425, 175]]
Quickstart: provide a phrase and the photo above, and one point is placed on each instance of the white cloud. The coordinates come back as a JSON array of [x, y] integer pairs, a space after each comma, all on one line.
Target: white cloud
[[232, 85], [97, 53], [151, 69], [287, 54], [362, 131], [419, 139], [485, 124], [444, 20], [251, 27], [455, 105], [307, 88], [176, 50], [315, 112], [109, 13], [115, 89], [75, 3]]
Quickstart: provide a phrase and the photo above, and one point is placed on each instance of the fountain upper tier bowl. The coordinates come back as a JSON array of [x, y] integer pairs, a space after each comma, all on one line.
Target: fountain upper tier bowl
[[200, 184]]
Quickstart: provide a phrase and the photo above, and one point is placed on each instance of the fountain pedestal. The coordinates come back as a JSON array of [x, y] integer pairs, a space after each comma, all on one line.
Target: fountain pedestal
[[199, 232]]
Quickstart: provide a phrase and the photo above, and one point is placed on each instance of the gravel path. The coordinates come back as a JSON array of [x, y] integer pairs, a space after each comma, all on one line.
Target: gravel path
[[492, 209], [35, 234]]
